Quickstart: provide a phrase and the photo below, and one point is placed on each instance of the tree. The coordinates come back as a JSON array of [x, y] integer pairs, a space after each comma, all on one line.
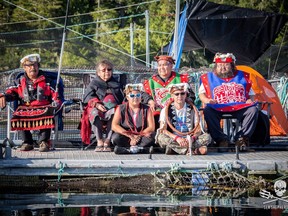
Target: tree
[[98, 29]]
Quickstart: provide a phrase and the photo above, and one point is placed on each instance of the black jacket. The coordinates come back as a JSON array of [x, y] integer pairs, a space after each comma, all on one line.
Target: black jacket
[[97, 88]]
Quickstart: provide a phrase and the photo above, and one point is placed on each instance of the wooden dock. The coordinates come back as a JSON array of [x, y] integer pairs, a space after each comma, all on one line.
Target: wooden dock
[[38, 171], [76, 162]]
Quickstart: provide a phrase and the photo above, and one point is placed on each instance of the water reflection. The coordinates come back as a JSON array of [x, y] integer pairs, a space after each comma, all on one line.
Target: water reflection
[[134, 204], [146, 211]]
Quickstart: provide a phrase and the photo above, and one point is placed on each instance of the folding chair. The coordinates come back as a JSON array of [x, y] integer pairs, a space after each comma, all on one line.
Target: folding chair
[[231, 125]]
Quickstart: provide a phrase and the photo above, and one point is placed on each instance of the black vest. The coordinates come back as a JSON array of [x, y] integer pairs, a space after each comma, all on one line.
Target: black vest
[[172, 116]]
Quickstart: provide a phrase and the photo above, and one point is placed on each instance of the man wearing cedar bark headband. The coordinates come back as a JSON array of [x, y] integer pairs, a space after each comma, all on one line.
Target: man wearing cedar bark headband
[[228, 90]]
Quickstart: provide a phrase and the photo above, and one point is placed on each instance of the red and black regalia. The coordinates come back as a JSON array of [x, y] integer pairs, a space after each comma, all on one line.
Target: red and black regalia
[[134, 123], [231, 95], [34, 110], [110, 94]]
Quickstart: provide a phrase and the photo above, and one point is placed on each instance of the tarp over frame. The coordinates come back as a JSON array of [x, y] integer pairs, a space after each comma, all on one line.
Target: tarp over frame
[[245, 32]]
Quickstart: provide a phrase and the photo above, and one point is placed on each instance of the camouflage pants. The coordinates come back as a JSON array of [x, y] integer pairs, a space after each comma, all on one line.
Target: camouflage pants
[[168, 143]]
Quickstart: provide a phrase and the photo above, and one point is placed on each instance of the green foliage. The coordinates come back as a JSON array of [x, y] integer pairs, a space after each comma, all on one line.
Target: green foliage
[[97, 29]]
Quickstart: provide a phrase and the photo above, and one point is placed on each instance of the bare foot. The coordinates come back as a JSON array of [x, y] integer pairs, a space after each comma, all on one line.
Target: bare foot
[[107, 147], [100, 146]]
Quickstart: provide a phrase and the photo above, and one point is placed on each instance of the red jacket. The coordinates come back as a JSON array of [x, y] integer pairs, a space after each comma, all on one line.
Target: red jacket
[[38, 93]]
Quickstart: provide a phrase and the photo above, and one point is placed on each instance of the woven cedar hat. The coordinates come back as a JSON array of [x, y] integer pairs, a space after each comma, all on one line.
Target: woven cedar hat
[[180, 87], [224, 58], [165, 57], [133, 87], [32, 58]]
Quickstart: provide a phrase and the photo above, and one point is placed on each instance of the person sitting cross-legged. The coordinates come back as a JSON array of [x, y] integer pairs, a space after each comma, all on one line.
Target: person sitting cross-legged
[[180, 131], [133, 123], [158, 85]]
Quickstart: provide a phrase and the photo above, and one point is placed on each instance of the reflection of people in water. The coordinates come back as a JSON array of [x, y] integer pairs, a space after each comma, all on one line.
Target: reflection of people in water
[[40, 212], [151, 211], [189, 210], [117, 210], [138, 211], [85, 211], [97, 211], [103, 210], [223, 211]]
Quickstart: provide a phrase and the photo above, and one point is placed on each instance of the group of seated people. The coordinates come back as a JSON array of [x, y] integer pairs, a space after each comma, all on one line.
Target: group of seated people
[[164, 104], [159, 113]]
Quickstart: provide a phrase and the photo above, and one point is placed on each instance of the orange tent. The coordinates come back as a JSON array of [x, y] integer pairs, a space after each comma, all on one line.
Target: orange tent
[[266, 93]]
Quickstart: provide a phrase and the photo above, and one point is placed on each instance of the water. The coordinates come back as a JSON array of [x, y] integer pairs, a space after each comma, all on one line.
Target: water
[[207, 202], [146, 211], [197, 192]]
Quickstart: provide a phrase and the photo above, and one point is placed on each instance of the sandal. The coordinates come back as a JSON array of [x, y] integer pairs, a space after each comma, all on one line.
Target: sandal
[[106, 146], [200, 151], [100, 146]]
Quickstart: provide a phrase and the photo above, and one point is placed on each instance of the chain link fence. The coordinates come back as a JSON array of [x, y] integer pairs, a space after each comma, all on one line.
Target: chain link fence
[[75, 82]]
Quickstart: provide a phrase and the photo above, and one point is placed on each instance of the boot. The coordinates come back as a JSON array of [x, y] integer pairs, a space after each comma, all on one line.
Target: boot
[[26, 147], [223, 146], [121, 150], [242, 143], [43, 146]]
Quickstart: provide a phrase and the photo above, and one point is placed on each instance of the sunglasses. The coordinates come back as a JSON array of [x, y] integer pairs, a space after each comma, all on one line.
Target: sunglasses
[[29, 65], [107, 69], [182, 93], [138, 95], [164, 65]]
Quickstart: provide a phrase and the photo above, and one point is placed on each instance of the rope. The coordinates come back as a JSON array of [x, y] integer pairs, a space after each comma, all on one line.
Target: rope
[[174, 167], [60, 199], [119, 200], [282, 90], [73, 31], [282, 42], [60, 170], [226, 166], [83, 14], [107, 20], [119, 169], [212, 166]]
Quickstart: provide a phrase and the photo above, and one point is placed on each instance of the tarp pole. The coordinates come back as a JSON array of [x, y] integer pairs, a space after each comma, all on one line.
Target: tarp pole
[[175, 45], [132, 44], [62, 47], [147, 39]]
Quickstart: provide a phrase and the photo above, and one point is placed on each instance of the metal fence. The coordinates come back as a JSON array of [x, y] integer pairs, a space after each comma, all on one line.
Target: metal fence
[[75, 82]]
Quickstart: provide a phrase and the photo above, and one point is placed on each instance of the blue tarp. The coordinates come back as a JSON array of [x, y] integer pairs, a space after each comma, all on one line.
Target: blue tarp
[[181, 33]]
